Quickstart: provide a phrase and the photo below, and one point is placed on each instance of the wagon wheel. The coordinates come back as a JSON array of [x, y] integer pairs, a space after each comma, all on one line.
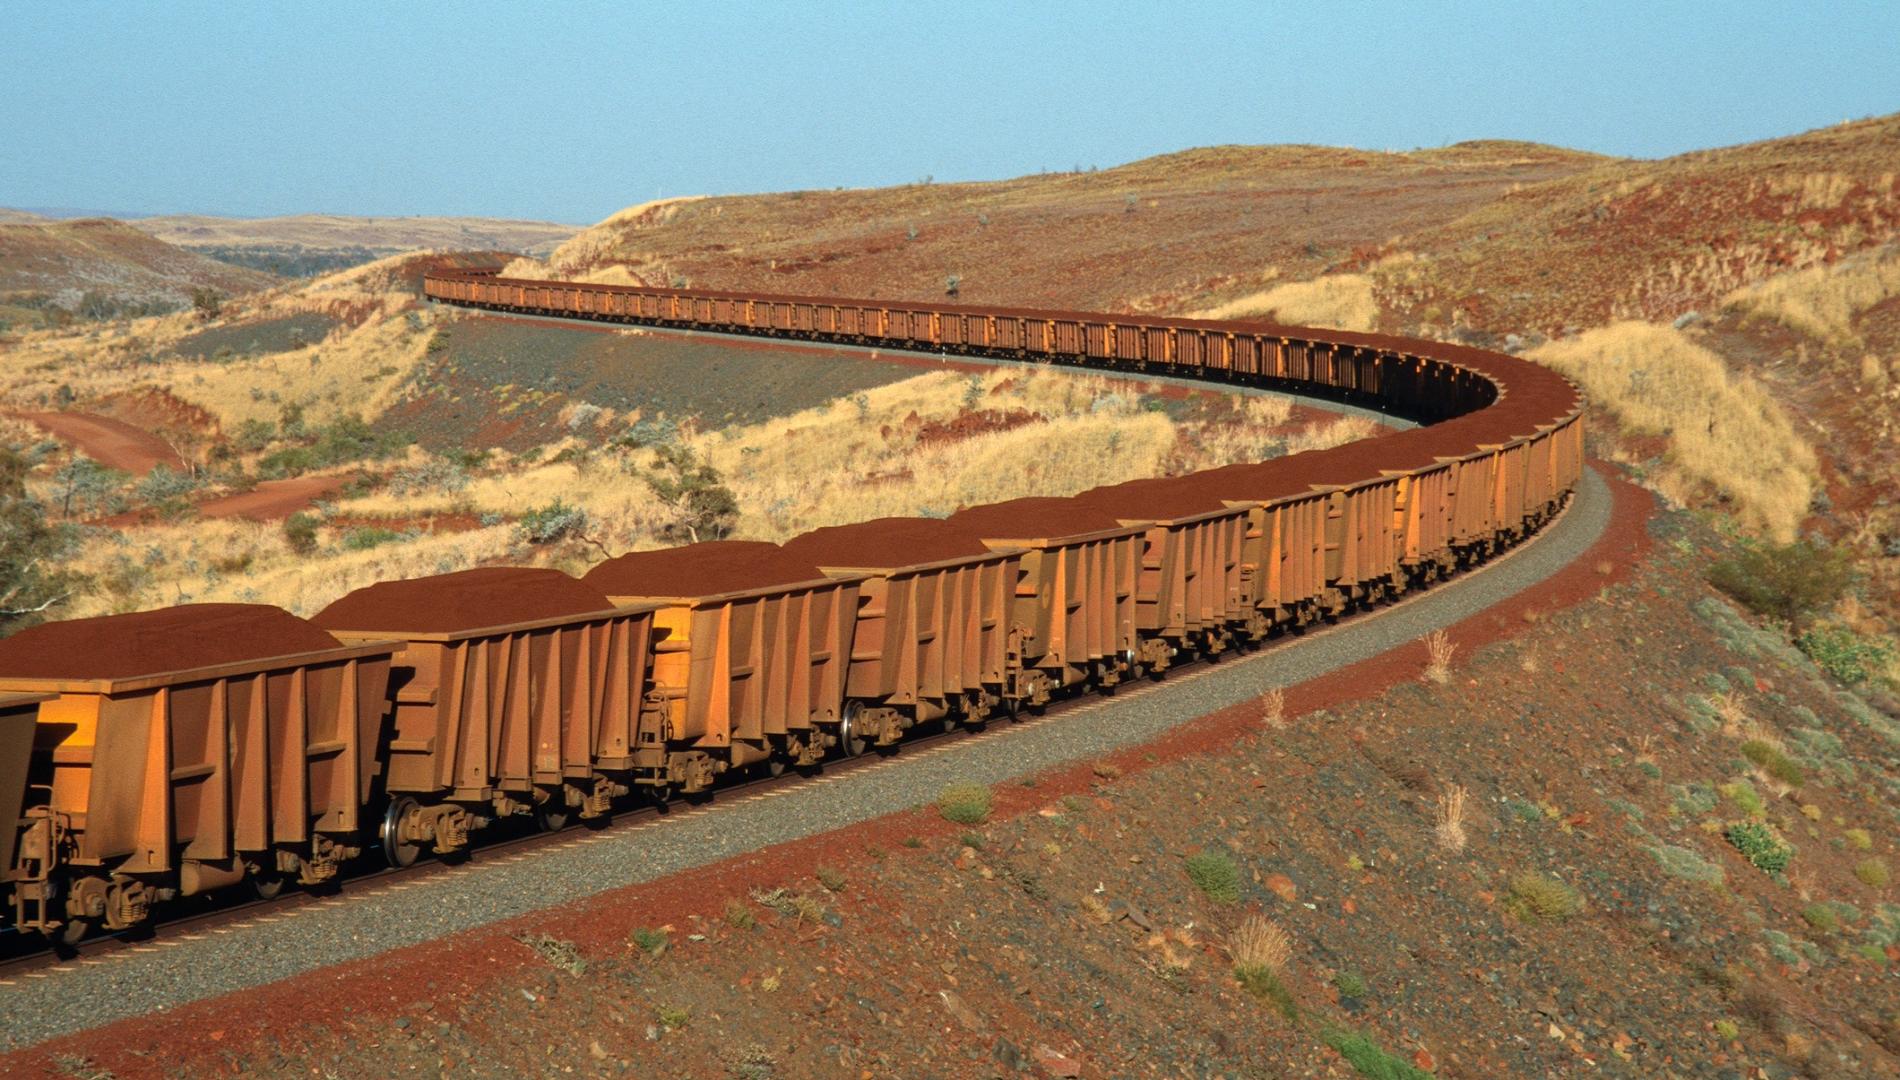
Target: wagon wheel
[[71, 932], [550, 816], [850, 742], [269, 885], [398, 848], [774, 765]]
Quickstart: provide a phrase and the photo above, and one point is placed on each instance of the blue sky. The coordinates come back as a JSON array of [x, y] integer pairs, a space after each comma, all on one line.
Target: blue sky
[[571, 111]]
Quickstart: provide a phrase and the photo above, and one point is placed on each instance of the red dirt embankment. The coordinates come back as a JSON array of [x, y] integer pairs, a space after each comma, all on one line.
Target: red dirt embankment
[[112, 443]]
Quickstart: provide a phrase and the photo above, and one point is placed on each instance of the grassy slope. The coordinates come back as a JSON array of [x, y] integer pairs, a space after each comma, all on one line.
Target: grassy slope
[[66, 258]]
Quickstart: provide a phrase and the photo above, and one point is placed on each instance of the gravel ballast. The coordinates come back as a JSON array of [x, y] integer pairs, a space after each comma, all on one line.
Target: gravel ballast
[[172, 971]]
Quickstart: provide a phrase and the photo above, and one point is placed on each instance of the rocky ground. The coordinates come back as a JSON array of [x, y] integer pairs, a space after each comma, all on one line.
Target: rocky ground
[[1597, 918]]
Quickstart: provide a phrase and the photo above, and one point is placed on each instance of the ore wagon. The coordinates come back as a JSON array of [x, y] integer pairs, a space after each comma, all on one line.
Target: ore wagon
[[1188, 589], [752, 650], [184, 749], [931, 635], [1072, 609], [519, 692]]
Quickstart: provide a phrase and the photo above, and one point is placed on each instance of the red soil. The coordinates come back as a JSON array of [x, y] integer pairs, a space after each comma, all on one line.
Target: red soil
[[208, 1035], [489, 596], [971, 423], [707, 569], [112, 443], [271, 500], [152, 642]]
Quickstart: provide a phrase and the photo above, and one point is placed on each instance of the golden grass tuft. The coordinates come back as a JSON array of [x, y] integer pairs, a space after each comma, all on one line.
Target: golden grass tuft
[[1449, 824], [1824, 301], [1260, 945], [1725, 433], [1273, 709], [1439, 649]]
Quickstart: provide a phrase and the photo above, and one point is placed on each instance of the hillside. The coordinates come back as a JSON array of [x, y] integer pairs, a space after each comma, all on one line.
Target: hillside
[[1198, 221], [98, 267], [307, 244]]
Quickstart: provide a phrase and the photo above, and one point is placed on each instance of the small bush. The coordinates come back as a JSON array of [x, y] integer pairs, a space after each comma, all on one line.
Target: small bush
[[300, 533], [1859, 839], [1745, 797], [552, 522], [1759, 845], [1790, 582], [650, 941], [558, 953], [1369, 1058], [365, 537], [739, 916], [965, 804], [1538, 898], [1773, 762], [673, 1017], [1727, 1030], [1350, 984], [1821, 917], [1872, 872], [1847, 656], [1689, 865], [830, 878], [1215, 875]]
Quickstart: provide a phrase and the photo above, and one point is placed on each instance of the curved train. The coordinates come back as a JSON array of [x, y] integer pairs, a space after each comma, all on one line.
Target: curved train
[[197, 748]]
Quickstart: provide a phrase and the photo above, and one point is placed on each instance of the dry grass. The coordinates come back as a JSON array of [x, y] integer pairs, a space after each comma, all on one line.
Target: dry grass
[[1824, 301], [1273, 709], [1439, 649], [1260, 945], [1449, 826], [1342, 301], [1725, 434]]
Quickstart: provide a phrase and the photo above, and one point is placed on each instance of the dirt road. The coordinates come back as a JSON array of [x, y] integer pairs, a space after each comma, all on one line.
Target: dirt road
[[110, 442]]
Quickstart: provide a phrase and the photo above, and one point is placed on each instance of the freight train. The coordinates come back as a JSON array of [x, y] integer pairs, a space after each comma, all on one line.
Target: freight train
[[198, 748]]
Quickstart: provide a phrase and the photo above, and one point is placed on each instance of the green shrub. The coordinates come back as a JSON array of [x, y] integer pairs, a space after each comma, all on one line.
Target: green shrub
[[1349, 984], [673, 1017], [1369, 1058], [1789, 582], [1745, 797], [1689, 865], [1539, 898], [1759, 845], [1774, 762], [300, 533], [552, 522], [1859, 839], [1265, 985], [1216, 875], [1821, 917], [365, 537], [1872, 872], [965, 804], [650, 941], [1847, 656]]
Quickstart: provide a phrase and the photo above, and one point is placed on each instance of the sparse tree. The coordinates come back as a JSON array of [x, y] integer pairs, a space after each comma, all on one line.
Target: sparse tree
[[703, 507], [85, 484], [30, 552], [208, 303], [952, 283]]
